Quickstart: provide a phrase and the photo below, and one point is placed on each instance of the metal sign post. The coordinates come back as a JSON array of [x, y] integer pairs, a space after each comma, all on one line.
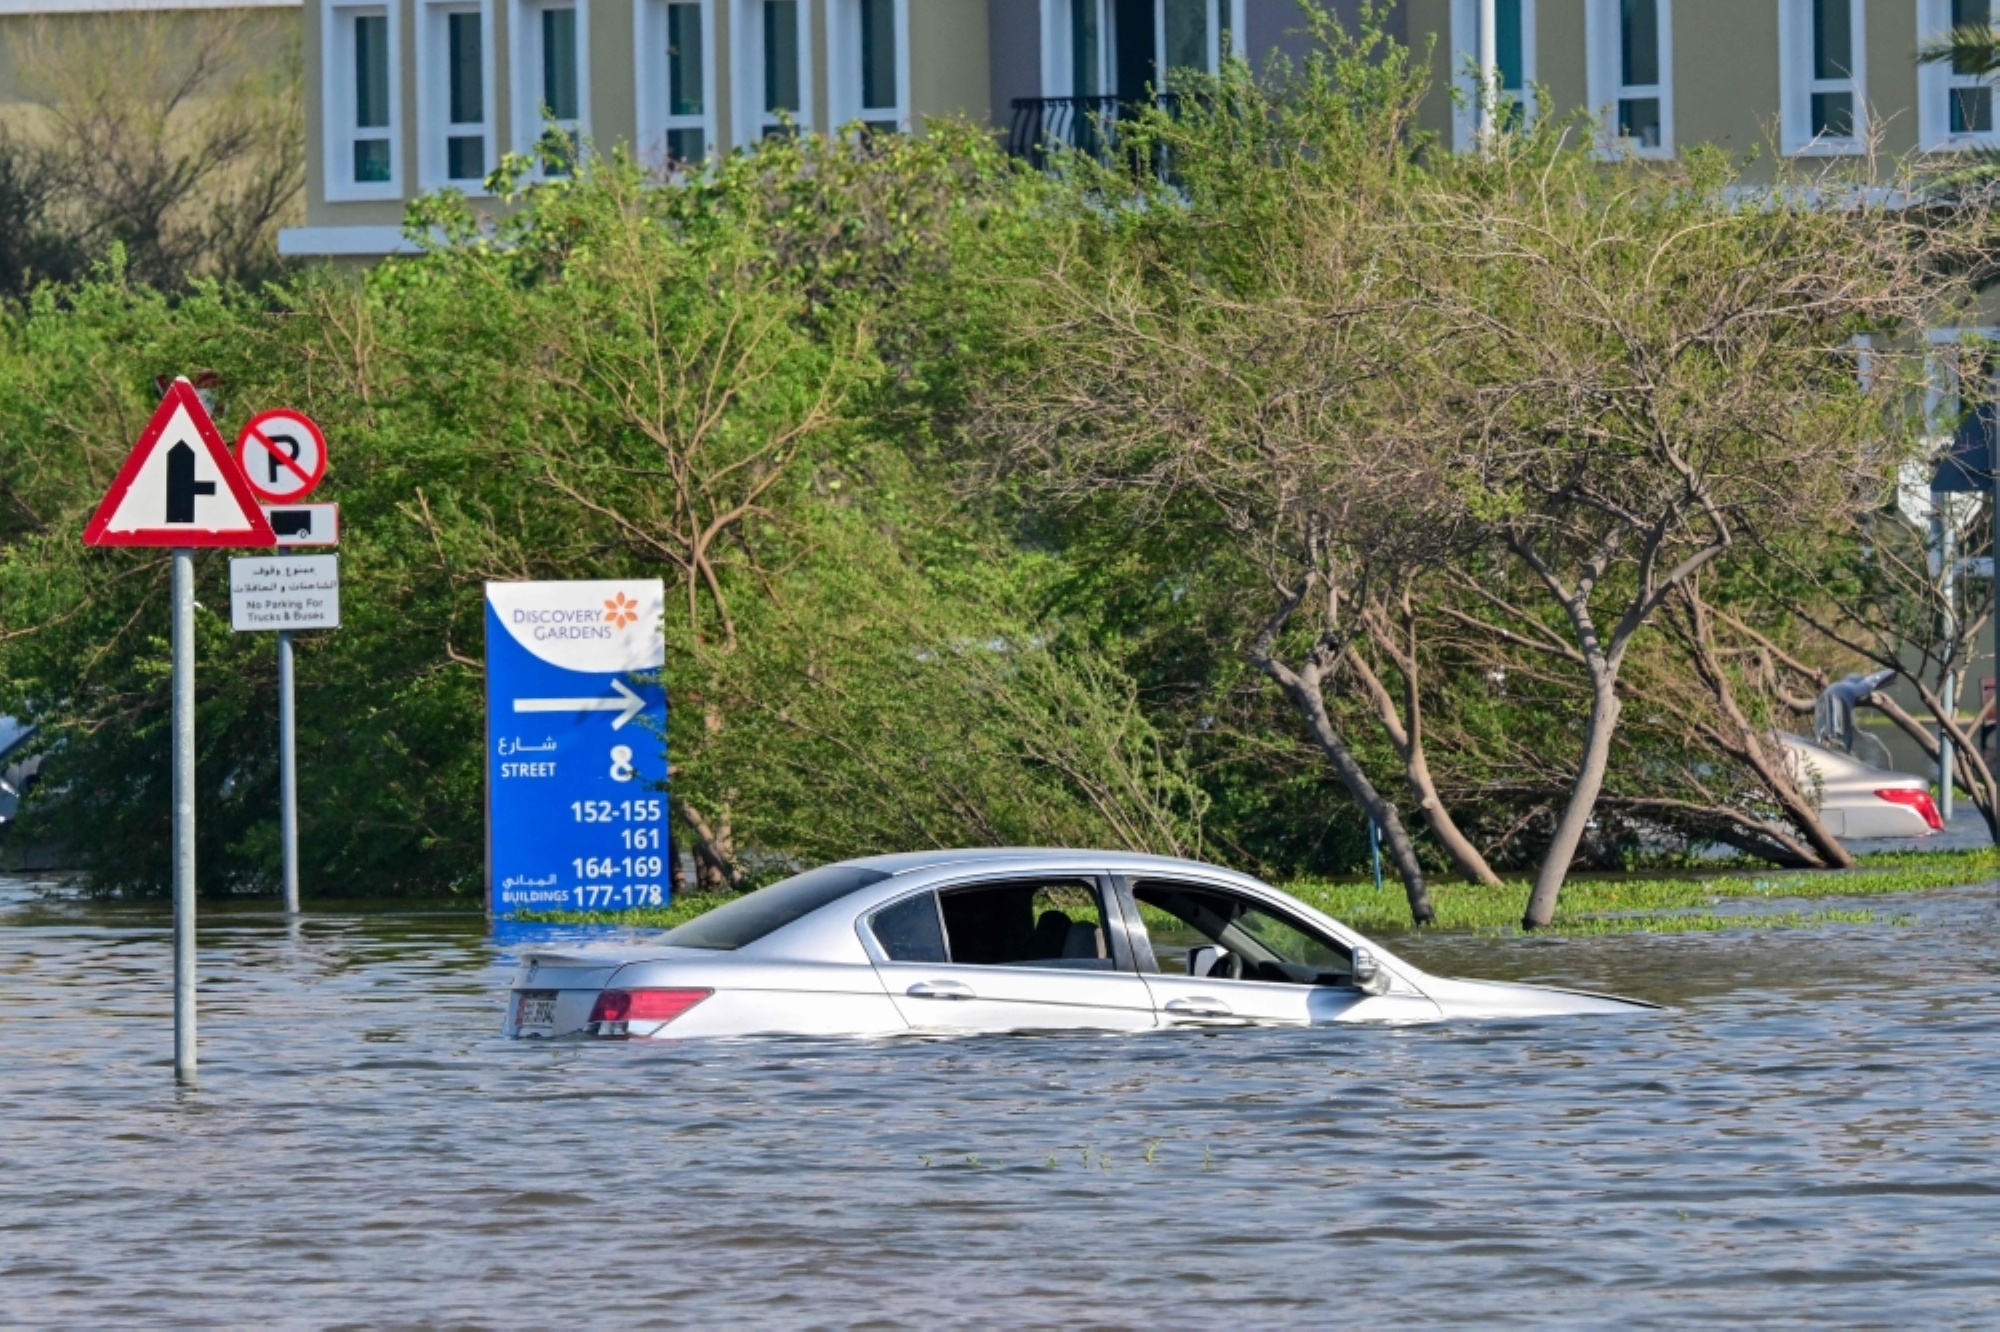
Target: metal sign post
[[286, 593], [1942, 520], [179, 489], [288, 773], [183, 647], [283, 456]]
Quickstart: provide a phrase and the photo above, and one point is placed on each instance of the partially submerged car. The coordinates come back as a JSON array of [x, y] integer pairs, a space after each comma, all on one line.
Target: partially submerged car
[[1858, 799], [1001, 940]]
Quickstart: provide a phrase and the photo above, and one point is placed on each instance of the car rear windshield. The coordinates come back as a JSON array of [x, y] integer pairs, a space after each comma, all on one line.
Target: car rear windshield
[[751, 917]]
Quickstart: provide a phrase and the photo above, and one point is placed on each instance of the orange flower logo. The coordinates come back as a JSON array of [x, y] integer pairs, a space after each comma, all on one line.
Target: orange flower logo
[[621, 610]]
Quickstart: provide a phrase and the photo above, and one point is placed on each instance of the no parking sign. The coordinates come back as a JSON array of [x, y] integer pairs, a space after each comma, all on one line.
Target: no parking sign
[[282, 454]]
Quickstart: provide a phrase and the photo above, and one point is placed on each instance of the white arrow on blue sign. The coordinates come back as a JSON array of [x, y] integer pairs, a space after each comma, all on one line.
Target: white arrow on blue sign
[[622, 701]]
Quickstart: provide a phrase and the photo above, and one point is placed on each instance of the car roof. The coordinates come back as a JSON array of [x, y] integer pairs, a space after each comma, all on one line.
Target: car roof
[[908, 862]]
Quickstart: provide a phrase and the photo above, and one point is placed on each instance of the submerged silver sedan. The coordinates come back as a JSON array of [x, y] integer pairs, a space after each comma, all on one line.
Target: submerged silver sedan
[[1001, 940]]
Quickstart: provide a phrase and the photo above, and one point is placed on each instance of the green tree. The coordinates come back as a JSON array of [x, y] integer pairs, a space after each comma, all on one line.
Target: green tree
[[724, 384]]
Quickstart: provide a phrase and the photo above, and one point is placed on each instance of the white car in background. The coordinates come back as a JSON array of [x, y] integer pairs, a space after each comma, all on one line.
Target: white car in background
[[1001, 940], [1860, 800]]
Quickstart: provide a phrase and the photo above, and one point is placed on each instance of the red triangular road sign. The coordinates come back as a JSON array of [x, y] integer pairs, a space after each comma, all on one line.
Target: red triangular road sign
[[179, 487]]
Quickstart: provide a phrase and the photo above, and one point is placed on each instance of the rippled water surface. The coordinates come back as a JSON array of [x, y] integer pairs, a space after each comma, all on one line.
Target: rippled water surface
[[1810, 1134]]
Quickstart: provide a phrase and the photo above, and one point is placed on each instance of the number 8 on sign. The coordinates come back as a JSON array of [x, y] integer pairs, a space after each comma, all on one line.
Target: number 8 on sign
[[282, 454]]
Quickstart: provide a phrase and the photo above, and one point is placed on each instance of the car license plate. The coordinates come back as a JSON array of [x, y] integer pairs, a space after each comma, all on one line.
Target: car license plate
[[535, 1013]]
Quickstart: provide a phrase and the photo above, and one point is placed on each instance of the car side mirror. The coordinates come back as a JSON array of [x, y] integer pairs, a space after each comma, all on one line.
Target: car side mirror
[[1202, 960], [1369, 978]]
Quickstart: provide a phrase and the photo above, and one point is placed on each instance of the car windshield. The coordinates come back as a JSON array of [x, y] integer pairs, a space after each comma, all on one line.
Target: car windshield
[[751, 917]]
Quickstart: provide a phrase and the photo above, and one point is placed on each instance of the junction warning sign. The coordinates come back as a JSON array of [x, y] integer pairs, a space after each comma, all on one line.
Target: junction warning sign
[[179, 487]]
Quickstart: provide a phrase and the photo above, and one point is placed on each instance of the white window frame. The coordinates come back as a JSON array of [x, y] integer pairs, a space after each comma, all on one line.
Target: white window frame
[[1058, 70], [1797, 85], [1465, 70], [434, 93], [524, 61], [653, 79], [337, 110], [1934, 85], [746, 38], [843, 63], [1605, 77]]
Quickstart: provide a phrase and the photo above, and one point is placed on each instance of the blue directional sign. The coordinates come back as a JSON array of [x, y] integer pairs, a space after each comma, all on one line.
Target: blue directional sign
[[576, 762]]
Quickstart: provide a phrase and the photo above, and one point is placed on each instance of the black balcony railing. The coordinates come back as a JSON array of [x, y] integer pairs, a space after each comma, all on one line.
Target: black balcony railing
[[1045, 126]]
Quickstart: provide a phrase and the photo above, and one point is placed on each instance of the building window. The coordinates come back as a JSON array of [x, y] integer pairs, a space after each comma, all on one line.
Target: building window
[[878, 61], [773, 68], [869, 48], [361, 113], [465, 96], [551, 81], [1821, 54], [1514, 47], [1954, 103], [1954, 408], [1631, 73], [456, 96], [1970, 103], [1118, 48], [1639, 72], [1087, 54], [675, 46]]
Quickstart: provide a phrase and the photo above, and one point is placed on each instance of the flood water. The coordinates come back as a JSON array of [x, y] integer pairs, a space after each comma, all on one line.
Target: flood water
[[1810, 1135]]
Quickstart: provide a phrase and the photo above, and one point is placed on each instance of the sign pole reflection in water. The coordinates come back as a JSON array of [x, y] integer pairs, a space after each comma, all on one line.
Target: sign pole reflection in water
[[184, 1057]]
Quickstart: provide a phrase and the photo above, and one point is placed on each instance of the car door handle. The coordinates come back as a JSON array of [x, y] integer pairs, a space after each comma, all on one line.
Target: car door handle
[[1198, 1007], [941, 989]]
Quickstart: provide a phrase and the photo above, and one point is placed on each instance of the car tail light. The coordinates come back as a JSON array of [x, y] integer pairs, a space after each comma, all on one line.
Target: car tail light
[[1916, 799], [615, 1008]]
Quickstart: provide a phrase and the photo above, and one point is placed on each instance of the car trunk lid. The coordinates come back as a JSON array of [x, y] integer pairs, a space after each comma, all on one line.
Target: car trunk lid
[[552, 992]]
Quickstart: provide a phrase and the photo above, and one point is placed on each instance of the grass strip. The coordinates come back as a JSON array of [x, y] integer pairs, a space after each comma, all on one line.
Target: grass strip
[[1624, 904], [1657, 903]]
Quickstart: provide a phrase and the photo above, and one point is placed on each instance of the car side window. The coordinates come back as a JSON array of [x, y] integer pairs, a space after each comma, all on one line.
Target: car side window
[[1027, 923], [1255, 942], [909, 930]]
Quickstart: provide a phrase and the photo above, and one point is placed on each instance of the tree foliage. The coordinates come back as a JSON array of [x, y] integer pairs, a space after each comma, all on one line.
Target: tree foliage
[[1274, 474]]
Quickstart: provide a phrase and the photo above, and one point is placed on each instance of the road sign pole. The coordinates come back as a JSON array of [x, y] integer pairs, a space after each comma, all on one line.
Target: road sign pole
[[179, 488], [183, 648], [1942, 516], [288, 771]]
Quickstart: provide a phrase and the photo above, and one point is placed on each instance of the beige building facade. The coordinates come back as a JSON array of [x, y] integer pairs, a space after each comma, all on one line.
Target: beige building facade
[[1784, 78], [407, 96]]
